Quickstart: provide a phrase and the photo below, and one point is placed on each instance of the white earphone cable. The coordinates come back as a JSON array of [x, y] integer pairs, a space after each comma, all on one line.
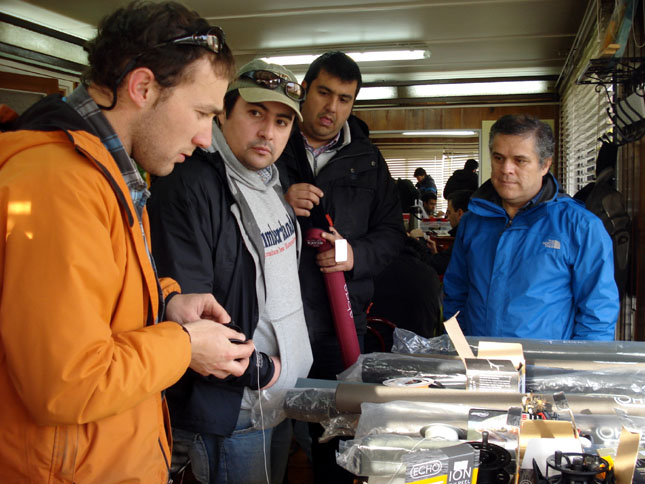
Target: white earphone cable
[[264, 443]]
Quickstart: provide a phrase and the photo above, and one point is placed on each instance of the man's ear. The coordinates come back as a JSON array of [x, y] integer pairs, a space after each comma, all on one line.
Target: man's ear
[[142, 88], [547, 165], [460, 213]]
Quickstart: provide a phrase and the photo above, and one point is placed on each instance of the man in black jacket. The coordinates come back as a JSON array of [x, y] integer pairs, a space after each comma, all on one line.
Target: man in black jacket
[[330, 170], [465, 179], [220, 223], [425, 183]]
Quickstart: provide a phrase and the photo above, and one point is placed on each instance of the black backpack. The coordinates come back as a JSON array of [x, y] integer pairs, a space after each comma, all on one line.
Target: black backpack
[[602, 199]]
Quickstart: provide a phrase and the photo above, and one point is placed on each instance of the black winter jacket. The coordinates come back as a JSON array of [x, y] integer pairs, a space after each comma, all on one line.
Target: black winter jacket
[[361, 198], [461, 180], [188, 208]]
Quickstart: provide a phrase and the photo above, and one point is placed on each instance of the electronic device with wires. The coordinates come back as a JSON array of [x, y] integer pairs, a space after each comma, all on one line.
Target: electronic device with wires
[[576, 468], [493, 460]]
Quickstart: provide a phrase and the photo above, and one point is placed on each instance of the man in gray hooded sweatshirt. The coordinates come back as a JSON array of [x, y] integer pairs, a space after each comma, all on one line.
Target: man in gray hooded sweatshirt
[[220, 223]]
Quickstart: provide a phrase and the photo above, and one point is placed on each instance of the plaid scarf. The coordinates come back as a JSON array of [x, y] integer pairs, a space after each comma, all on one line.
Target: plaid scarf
[[84, 105]]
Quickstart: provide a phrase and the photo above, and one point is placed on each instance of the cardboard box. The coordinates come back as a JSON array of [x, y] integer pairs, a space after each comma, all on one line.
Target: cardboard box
[[490, 375], [626, 454], [548, 430], [450, 465], [544, 429], [497, 366]]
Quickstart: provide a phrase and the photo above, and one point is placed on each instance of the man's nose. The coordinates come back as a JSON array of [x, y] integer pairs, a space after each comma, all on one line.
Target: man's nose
[[266, 130], [203, 137], [507, 166], [332, 104]]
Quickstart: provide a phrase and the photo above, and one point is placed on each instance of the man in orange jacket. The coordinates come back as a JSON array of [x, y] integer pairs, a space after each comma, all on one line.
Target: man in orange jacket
[[88, 333]]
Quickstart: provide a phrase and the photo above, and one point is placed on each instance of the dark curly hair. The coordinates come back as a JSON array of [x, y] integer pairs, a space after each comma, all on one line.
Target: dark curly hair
[[135, 32]]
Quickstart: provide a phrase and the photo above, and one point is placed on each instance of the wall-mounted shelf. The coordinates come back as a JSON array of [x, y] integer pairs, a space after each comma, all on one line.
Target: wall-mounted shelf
[[611, 70], [623, 80]]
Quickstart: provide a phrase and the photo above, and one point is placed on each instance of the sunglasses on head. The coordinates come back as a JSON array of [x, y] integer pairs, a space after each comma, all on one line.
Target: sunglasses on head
[[212, 39], [271, 80]]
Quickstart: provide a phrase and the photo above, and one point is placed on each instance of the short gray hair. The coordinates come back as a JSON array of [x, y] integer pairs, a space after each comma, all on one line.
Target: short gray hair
[[523, 124]]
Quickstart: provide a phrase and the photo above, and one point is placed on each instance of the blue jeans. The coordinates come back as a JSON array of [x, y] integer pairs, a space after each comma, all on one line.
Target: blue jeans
[[238, 459]]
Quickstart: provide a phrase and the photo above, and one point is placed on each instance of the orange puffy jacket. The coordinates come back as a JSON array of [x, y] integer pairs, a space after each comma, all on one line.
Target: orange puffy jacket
[[81, 373]]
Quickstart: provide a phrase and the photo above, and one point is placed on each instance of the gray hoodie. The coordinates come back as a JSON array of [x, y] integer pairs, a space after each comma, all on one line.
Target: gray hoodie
[[272, 236]]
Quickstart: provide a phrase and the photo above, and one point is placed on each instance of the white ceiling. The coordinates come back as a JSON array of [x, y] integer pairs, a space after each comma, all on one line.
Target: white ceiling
[[466, 38]]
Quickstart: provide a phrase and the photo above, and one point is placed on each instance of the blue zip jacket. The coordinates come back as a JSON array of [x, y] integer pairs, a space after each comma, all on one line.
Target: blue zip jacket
[[547, 273]]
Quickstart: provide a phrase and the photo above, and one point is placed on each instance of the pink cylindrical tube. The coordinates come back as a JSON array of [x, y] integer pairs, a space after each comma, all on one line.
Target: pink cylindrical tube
[[339, 303]]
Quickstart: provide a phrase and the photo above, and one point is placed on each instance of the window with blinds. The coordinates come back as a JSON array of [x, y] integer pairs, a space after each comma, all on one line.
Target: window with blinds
[[583, 120], [438, 162], [583, 113]]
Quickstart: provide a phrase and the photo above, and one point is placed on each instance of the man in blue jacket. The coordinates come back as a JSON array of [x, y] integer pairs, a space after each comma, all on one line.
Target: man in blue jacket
[[528, 260]]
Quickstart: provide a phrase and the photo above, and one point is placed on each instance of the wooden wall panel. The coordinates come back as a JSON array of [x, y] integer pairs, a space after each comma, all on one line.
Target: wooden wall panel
[[447, 117], [470, 117], [19, 82]]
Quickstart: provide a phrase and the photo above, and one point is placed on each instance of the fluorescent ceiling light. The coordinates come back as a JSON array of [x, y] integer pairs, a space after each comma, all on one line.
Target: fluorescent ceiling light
[[441, 132], [479, 89], [291, 60], [387, 55], [370, 93]]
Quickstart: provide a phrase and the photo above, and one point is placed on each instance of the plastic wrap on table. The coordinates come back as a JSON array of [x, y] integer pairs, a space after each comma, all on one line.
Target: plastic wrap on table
[[378, 367], [381, 454], [610, 381], [311, 404], [268, 410], [604, 430], [609, 351], [449, 372], [409, 418], [407, 342], [341, 426], [387, 431], [354, 372]]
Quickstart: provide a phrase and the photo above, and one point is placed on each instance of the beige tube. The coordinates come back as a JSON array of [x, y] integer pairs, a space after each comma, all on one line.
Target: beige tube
[[349, 397]]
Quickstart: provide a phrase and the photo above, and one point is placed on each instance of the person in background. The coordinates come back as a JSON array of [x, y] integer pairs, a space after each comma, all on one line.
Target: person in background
[[425, 183], [220, 224], [407, 292], [429, 201], [408, 195], [457, 207], [528, 260], [465, 179], [331, 171], [88, 341]]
